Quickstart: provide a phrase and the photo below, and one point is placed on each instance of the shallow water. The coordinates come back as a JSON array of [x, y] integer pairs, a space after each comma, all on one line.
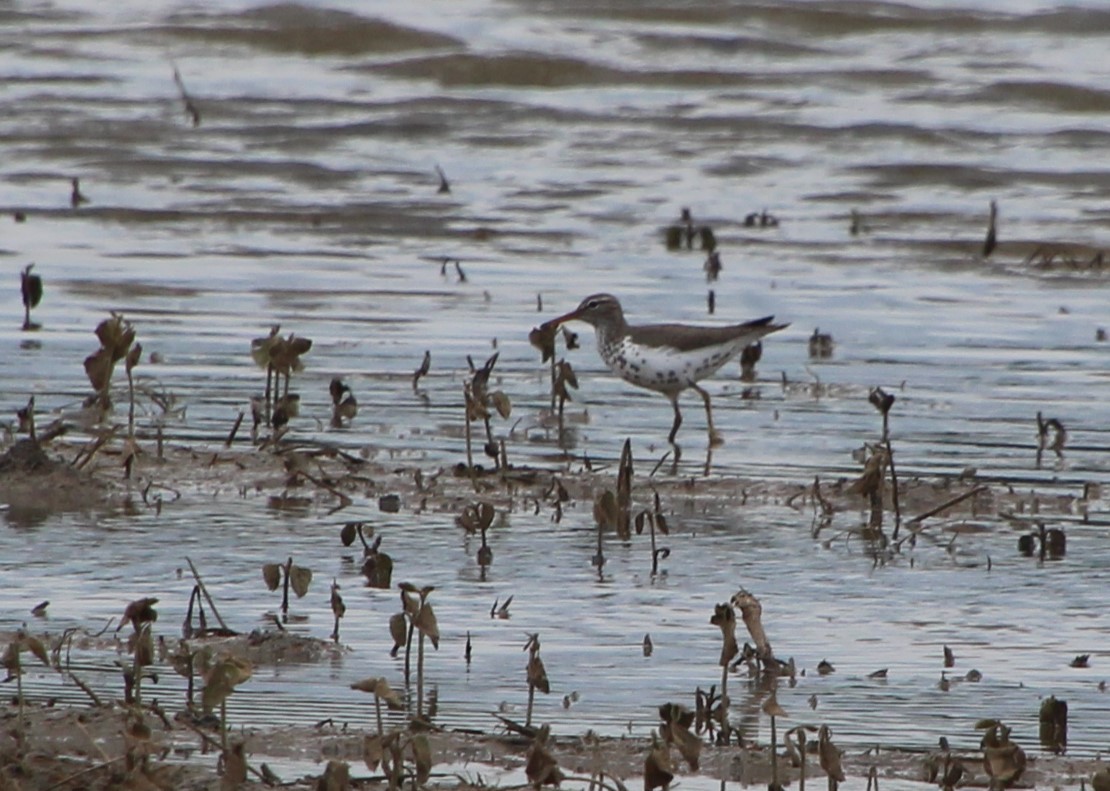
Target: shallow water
[[573, 134]]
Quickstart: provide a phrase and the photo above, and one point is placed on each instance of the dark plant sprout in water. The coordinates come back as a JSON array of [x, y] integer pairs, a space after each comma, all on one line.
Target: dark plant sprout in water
[[190, 107], [751, 355], [116, 336], [338, 608], [13, 663], [261, 352], [422, 619], [477, 518], [605, 516], [724, 618], [344, 406], [883, 402], [220, 681], [26, 417], [30, 287], [1051, 435], [828, 756], [377, 566], [536, 674], [279, 356], [544, 338], [287, 576], [654, 520], [141, 614], [821, 345], [1053, 719], [479, 400], [444, 184], [76, 197], [1003, 759], [422, 371], [991, 241]]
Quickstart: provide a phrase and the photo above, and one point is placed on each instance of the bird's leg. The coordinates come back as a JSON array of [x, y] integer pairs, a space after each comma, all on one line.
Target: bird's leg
[[714, 437], [677, 418]]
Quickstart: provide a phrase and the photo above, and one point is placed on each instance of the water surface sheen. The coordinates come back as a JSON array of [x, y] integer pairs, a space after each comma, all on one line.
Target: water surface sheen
[[573, 133]]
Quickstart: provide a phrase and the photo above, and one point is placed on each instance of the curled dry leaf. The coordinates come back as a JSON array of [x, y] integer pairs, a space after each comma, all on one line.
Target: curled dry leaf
[[235, 767], [724, 617], [543, 338], [336, 777], [425, 366], [381, 690], [338, 608], [751, 610], [389, 695], [828, 755], [116, 335], [134, 356], [398, 630], [657, 766], [299, 580], [271, 572], [35, 646], [378, 570], [542, 768], [475, 409], [142, 646], [567, 375], [372, 751], [537, 674], [262, 347], [222, 678], [476, 517], [22, 642], [501, 403], [139, 612], [421, 758], [689, 745], [871, 480], [425, 621], [605, 510], [675, 730], [11, 659], [348, 533], [98, 367]]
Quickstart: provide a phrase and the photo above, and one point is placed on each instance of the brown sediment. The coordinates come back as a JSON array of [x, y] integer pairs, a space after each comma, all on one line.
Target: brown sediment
[[88, 747]]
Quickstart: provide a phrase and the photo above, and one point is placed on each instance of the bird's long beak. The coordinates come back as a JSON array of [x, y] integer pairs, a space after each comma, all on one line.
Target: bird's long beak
[[574, 314]]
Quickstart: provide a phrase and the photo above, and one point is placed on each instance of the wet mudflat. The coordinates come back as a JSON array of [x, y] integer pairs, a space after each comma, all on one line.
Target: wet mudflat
[[307, 197]]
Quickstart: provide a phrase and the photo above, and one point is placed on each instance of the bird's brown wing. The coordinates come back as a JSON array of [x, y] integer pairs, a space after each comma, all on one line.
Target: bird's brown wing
[[685, 337]]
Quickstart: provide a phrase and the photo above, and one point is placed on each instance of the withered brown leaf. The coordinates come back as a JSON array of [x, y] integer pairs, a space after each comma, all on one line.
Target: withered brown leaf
[[271, 573]]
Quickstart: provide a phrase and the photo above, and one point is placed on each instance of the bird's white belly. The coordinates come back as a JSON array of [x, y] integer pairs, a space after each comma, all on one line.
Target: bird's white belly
[[664, 369]]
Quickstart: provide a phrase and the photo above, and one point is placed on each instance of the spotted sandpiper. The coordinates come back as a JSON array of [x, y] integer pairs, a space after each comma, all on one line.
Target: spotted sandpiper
[[667, 358]]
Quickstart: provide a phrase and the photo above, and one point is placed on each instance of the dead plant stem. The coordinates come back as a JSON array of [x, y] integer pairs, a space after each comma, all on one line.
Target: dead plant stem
[[420, 676], [207, 598], [87, 770], [933, 512], [893, 483]]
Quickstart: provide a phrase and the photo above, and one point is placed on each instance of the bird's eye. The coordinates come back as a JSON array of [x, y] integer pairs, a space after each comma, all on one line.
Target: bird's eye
[[593, 303]]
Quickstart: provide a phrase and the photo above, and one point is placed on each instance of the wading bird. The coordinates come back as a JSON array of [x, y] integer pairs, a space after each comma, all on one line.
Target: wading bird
[[666, 358]]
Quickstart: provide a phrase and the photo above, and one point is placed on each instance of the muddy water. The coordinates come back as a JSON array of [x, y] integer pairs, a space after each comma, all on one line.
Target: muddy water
[[573, 134]]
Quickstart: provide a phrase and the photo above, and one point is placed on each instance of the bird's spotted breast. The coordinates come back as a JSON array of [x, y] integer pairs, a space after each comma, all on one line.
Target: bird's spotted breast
[[662, 368]]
